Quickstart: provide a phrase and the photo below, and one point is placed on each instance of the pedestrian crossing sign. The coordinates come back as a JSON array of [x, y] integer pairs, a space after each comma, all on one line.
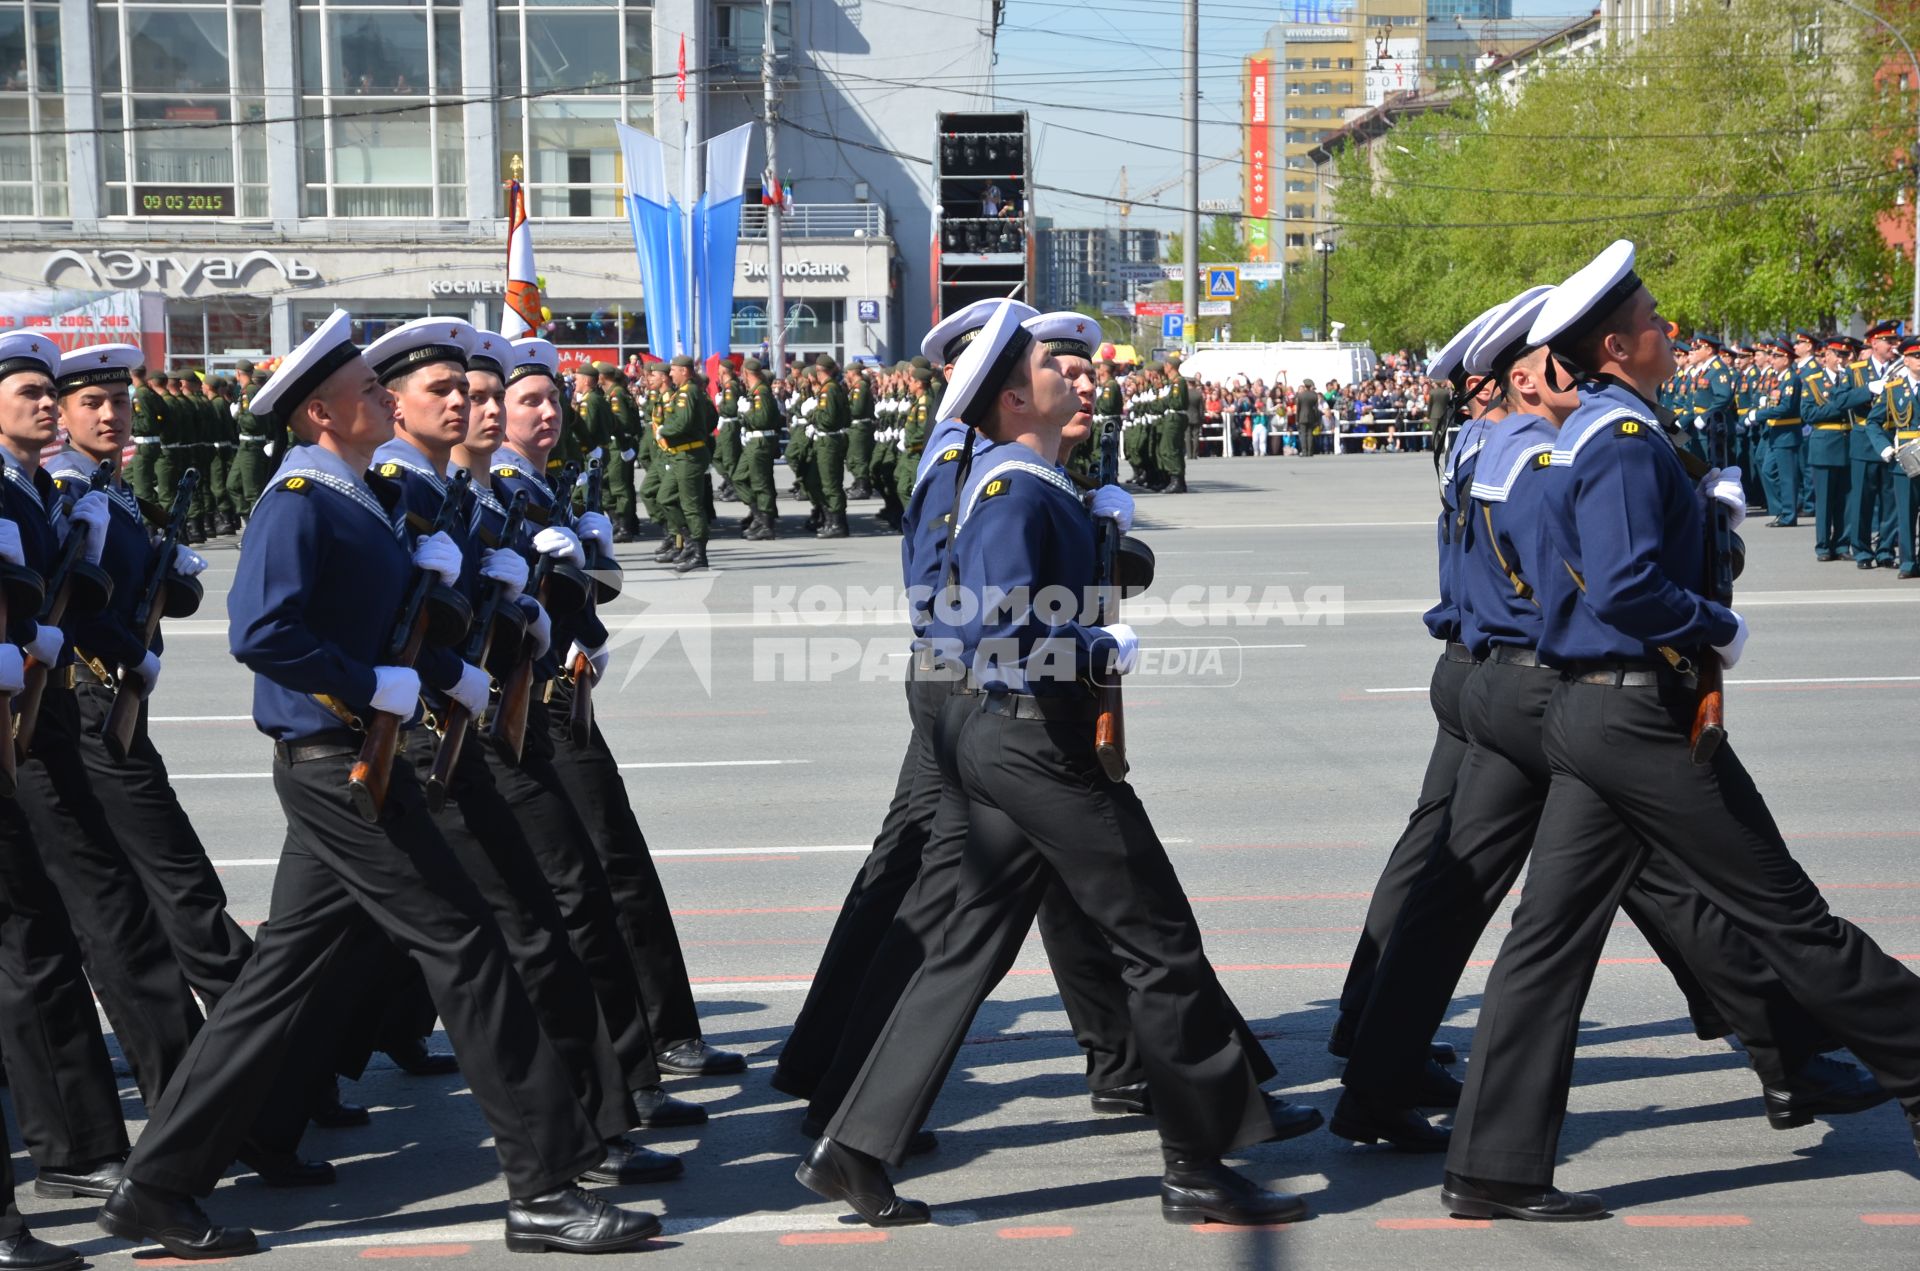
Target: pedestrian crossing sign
[[1223, 282]]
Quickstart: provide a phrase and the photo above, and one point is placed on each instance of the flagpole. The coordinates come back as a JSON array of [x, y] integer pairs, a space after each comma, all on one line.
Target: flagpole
[[776, 278]]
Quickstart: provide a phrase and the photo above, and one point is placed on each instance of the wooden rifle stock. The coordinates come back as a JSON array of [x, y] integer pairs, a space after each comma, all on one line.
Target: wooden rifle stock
[[479, 651], [123, 716], [26, 716], [508, 732], [1109, 723], [580, 717], [1709, 712], [372, 771]]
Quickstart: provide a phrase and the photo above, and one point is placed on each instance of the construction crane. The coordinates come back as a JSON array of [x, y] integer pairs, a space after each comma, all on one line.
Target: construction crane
[[1153, 193]]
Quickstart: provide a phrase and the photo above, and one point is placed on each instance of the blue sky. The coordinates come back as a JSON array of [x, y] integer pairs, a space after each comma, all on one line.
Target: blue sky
[[1125, 55]]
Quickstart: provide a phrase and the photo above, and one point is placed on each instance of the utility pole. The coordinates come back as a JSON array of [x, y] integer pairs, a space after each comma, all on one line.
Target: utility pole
[[776, 279], [1190, 291]]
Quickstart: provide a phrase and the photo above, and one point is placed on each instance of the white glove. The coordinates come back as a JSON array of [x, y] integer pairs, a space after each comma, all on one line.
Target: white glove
[[595, 526], [10, 549], [806, 407], [233, 408], [1886, 455], [540, 629], [597, 659], [436, 554], [1700, 425], [507, 567], [471, 691], [598, 452], [1115, 504], [46, 644], [560, 543], [148, 672], [13, 669], [627, 455], [268, 449], [1723, 486], [1128, 655], [396, 690], [1876, 387], [1731, 650], [186, 562], [90, 512]]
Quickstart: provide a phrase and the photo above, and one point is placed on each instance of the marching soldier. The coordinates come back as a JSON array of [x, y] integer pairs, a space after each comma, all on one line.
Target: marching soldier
[[829, 420], [860, 429], [623, 447], [686, 440], [149, 425], [759, 420], [1830, 396], [1171, 442], [726, 445], [254, 451], [802, 457]]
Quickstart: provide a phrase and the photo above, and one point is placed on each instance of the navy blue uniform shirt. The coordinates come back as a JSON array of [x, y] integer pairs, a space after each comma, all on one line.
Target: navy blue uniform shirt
[[1505, 549]]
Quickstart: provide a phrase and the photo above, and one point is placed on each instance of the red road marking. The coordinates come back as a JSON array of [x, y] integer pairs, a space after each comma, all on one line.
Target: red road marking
[[1432, 1224], [833, 1238], [416, 1251], [1687, 1220], [1891, 1220], [168, 1260], [1034, 1233], [1222, 1228]]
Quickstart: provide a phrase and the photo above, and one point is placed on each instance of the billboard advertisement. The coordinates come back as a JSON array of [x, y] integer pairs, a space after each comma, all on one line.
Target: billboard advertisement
[[1259, 147]]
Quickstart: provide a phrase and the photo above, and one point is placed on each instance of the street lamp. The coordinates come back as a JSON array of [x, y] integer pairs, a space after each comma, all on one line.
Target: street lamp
[[1915, 171], [1323, 245]]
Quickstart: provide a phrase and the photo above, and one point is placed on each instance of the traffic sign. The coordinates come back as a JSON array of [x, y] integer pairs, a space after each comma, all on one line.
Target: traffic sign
[[869, 311], [1173, 326], [1223, 282]]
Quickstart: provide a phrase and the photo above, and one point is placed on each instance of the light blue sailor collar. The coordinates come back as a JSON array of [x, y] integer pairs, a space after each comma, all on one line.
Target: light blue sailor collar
[[1007, 460], [507, 457], [1466, 444], [1602, 405], [325, 468], [18, 473], [1511, 447], [403, 452], [76, 463]]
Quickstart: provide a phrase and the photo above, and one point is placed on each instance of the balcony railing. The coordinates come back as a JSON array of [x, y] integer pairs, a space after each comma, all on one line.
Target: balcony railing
[[740, 59], [818, 220]]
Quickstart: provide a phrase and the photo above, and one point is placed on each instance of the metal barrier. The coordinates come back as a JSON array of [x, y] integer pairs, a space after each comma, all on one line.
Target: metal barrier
[[818, 220], [1344, 437]]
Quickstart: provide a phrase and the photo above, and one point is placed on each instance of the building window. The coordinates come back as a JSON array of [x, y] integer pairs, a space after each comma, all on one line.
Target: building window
[[568, 72], [380, 134], [33, 149], [1293, 89], [1322, 63], [1296, 112], [1296, 63], [1322, 87], [1344, 87], [1296, 240], [1346, 64], [1323, 112], [1299, 187], [373, 319], [181, 100], [739, 36], [215, 335]]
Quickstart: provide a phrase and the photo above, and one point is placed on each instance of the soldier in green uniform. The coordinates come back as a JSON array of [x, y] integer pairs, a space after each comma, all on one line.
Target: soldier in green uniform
[[252, 465], [687, 434], [829, 419], [916, 425], [861, 424], [623, 446], [801, 458], [1109, 406], [176, 432], [1171, 441], [149, 421], [890, 407], [759, 420], [199, 448], [1830, 395], [658, 490], [226, 443], [1143, 408], [726, 446]]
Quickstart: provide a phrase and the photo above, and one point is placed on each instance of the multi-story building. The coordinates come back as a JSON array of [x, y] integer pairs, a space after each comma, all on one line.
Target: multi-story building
[[247, 165], [1079, 268], [1468, 10]]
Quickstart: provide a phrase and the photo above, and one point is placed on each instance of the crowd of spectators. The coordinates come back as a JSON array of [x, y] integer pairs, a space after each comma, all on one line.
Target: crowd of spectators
[[1388, 412]]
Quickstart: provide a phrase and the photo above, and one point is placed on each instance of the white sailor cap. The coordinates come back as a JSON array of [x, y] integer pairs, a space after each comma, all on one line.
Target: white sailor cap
[[1065, 331], [1444, 363], [1585, 300], [101, 364], [305, 369], [419, 343], [29, 351], [531, 356], [943, 344], [491, 352], [1503, 340], [997, 346]]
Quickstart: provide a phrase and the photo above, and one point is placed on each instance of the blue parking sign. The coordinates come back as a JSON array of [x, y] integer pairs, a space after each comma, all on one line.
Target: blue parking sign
[[1173, 326]]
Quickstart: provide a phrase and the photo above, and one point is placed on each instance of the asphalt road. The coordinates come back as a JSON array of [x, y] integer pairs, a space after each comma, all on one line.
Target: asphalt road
[[1278, 742]]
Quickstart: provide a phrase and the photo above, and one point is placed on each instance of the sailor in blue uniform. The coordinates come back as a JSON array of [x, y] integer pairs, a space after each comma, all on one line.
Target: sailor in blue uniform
[[311, 614], [1027, 765], [1624, 623], [588, 773], [1475, 407]]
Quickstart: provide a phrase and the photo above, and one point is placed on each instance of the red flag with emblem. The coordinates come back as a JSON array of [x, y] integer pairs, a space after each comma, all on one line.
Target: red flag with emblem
[[523, 290], [680, 82]]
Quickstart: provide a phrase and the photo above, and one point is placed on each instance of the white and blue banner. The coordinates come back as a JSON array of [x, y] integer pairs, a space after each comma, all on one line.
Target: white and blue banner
[[659, 241], [716, 237]]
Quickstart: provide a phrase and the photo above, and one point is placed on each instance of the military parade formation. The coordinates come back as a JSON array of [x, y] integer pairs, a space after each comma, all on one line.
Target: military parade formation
[[430, 525]]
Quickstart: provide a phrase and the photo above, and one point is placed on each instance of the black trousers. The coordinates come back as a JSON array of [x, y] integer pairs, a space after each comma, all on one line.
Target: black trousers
[[563, 851], [164, 852], [336, 874], [893, 915], [64, 1092], [591, 779], [1624, 786], [1427, 827], [126, 952], [480, 827], [1040, 808], [1496, 814], [11, 1223]]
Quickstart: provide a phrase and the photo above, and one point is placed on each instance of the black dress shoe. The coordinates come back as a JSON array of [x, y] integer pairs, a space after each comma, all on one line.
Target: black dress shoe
[[1340, 1043], [153, 1215], [1359, 1119], [284, 1169], [1291, 1120], [574, 1221], [838, 1172], [628, 1163], [922, 1142], [657, 1110], [414, 1058], [24, 1251], [1824, 1087], [1437, 1088], [97, 1180], [330, 1112], [1193, 1192], [697, 1059], [1474, 1198], [1825, 556], [1134, 1100]]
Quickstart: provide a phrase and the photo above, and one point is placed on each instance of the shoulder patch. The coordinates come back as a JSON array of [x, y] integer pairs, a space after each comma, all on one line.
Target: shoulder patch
[[948, 455], [503, 471], [1627, 428], [999, 485], [389, 469], [1545, 458], [298, 484]]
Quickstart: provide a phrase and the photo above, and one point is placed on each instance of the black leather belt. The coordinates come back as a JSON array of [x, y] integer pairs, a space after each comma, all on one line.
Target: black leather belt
[[1073, 710], [327, 745], [1506, 655], [1631, 675], [1458, 652]]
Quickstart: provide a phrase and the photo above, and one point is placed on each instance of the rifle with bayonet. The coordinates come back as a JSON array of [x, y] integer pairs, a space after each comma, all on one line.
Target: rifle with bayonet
[[157, 597], [1109, 724], [508, 731], [479, 651]]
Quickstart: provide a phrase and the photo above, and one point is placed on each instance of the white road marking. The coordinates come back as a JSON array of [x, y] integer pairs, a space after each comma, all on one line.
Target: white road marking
[[1832, 679]]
